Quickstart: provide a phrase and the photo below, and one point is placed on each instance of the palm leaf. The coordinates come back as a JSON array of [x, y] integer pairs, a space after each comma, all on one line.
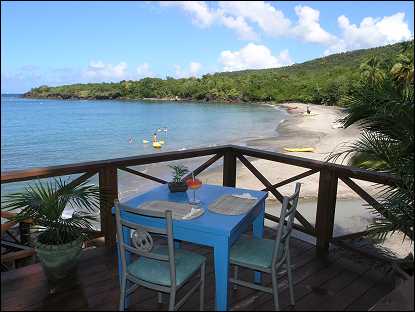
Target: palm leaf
[[45, 204], [386, 118]]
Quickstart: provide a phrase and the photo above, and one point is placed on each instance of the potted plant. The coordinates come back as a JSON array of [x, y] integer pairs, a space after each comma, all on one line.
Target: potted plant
[[177, 184], [59, 239]]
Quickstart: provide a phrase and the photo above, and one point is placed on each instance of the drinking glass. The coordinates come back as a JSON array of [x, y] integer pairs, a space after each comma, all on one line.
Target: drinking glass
[[194, 184]]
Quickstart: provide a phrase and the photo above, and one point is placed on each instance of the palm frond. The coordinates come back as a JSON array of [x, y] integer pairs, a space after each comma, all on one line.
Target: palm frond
[[386, 117], [45, 203]]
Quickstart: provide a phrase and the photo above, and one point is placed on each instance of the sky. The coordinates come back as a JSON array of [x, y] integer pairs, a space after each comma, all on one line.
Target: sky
[[63, 42]]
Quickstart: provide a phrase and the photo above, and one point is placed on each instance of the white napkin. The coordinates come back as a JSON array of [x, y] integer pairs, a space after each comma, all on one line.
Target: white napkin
[[192, 212], [244, 195]]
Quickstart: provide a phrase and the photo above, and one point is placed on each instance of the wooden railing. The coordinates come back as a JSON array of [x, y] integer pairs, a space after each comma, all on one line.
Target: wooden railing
[[327, 191]]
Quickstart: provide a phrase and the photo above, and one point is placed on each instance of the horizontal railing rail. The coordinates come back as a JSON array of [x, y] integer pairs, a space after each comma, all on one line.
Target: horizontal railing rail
[[53, 171], [330, 174]]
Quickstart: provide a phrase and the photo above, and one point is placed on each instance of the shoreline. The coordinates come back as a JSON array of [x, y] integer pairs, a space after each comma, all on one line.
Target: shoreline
[[322, 132], [319, 130]]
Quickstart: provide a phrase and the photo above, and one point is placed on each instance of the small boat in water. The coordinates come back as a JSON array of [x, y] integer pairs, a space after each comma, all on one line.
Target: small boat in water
[[145, 141]]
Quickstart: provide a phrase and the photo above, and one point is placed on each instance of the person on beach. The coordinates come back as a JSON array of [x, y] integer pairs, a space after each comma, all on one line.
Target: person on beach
[[308, 109], [154, 137]]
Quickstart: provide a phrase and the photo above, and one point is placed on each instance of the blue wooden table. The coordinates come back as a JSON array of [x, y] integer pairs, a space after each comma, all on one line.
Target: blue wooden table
[[211, 229]]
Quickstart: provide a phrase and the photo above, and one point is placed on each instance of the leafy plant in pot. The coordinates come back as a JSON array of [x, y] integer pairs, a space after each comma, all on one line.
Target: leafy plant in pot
[[59, 239], [177, 184]]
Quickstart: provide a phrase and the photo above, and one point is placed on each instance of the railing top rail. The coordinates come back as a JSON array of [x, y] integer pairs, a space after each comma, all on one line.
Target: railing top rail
[[341, 170], [45, 172]]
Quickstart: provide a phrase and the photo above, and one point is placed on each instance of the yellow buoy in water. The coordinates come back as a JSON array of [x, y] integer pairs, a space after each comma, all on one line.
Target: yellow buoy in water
[[145, 141], [156, 145], [304, 149]]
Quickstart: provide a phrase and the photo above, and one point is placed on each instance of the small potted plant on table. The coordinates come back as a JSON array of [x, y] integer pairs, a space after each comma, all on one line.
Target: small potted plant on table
[[177, 184], [59, 241]]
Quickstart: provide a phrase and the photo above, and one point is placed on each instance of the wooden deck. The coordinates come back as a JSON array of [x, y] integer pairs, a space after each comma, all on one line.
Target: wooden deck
[[342, 281]]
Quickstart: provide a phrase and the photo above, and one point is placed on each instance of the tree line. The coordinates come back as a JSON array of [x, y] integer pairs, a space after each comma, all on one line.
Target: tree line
[[321, 81]]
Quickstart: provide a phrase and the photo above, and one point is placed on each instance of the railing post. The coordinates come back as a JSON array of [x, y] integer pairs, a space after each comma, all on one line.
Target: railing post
[[108, 185], [326, 205], [24, 229], [229, 168]]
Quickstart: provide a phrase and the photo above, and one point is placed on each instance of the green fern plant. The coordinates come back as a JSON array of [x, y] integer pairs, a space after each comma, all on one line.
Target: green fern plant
[[44, 204], [178, 172]]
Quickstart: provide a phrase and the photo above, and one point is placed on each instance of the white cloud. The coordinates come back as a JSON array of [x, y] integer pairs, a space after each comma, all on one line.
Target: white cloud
[[192, 71], [308, 26], [253, 56], [269, 19], [203, 16], [240, 25], [371, 32], [99, 71], [242, 16], [143, 70], [199, 10], [194, 68]]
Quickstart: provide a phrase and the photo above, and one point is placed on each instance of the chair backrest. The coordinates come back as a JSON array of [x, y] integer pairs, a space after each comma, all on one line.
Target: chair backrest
[[141, 241], [289, 207]]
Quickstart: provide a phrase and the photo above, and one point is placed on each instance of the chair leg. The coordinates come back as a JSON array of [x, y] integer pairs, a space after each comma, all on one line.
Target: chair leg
[[202, 286], [235, 276], [122, 293], [159, 297], [172, 300], [290, 279], [275, 290]]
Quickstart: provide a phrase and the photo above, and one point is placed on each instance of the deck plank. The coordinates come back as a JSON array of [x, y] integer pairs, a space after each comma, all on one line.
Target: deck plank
[[319, 284]]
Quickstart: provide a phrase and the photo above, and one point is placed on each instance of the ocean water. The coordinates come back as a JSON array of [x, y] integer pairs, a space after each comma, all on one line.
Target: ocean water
[[46, 132]]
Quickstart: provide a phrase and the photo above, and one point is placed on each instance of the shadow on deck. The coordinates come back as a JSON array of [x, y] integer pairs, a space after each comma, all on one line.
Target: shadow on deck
[[342, 281]]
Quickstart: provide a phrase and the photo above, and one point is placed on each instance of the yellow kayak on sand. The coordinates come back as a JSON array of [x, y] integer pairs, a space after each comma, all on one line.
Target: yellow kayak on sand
[[304, 149], [156, 145]]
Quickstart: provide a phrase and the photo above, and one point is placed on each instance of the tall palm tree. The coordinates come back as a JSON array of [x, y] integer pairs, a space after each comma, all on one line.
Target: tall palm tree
[[372, 73], [403, 74], [386, 118]]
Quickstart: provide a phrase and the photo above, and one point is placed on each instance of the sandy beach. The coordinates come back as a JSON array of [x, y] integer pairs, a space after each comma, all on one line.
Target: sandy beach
[[319, 130]]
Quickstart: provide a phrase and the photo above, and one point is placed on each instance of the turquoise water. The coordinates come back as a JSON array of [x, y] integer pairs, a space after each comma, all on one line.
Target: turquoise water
[[46, 132]]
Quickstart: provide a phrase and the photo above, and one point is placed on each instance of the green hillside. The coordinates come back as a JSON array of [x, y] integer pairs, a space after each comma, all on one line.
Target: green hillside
[[323, 80]]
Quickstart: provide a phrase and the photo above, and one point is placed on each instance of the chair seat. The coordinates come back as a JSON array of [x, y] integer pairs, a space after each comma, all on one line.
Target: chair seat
[[158, 272], [252, 251]]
